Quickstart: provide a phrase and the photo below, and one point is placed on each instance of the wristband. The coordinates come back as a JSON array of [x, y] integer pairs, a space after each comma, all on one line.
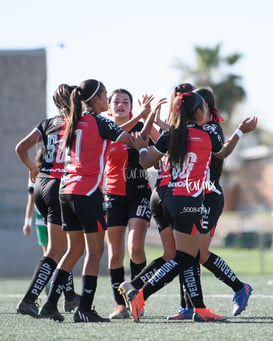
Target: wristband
[[28, 221], [239, 132], [142, 150]]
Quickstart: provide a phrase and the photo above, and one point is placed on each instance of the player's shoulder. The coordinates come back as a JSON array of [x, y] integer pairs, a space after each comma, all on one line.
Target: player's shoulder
[[105, 124], [211, 127], [52, 121], [104, 120]]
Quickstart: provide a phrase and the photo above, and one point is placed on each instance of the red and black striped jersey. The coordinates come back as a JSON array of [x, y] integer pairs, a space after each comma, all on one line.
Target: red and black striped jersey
[[52, 132], [188, 178], [124, 174], [85, 161]]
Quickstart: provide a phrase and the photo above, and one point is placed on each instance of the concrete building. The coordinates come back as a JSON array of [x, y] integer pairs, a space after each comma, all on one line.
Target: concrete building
[[23, 77], [22, 106]]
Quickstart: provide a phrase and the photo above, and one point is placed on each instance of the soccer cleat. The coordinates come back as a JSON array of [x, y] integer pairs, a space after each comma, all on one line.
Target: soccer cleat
[[123, 289], [70, 305], [88, 316], [183, 314], [25, 308], [206, 315], [240, 299], [119, 313], [50, 311], [136, 303]]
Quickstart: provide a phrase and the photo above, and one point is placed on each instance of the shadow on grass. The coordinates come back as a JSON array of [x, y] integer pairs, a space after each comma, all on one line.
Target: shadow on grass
[[241, 320]]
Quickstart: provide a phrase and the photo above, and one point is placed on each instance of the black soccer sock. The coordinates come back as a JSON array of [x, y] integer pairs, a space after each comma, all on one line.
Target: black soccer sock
[[117, 277], [89, 286], [184, 297], [193, 285], [147, 272], [57, 285], [40, 278], [136, 268], [187, 299], [222, 271], [69, 292], [167, 272]]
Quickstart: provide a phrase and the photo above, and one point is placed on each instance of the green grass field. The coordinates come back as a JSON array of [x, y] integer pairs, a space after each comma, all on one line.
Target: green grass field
[[255, 323]]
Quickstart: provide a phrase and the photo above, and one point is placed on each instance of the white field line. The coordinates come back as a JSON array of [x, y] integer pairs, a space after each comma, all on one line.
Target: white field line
[[161, 295]]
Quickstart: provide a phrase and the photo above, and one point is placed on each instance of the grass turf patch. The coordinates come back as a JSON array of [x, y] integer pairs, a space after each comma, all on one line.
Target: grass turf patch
[[255, 323]]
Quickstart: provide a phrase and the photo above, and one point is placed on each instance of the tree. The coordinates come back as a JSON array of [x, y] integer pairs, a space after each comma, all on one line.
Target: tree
[[210, 71]]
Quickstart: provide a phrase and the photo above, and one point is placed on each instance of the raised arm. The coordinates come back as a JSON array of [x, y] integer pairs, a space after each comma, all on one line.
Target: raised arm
[[246, 126], [141, 139], [145, 108], [148, 129], [162, 125]]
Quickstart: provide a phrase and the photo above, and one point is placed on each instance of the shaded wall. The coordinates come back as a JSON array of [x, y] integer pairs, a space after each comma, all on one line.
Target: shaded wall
[[22, 107]]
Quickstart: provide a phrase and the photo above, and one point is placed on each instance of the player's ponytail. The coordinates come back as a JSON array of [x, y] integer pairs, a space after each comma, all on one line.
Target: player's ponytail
[[74, 117], [86, 93], [186, 108], [61, 98]]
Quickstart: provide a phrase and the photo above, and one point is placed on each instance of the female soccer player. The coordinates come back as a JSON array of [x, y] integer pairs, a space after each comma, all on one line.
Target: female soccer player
[[127, 202], [88, 137], [185, 143], [46, 195], [213, 207]]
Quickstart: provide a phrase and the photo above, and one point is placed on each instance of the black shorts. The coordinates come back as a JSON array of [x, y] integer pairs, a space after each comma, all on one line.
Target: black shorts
[[46, 197], [184, 213], [121, 208], [82, 212], [157, 197], [213, 208]]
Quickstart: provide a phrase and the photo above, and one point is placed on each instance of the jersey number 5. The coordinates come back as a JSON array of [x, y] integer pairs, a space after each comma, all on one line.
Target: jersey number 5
[[55, 151]]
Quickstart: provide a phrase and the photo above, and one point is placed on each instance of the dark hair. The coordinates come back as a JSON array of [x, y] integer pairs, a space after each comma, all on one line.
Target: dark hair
[[207, 94], [178, 143], [180, 88], [61, 98], [121, 91], [85, 92], [184, 87]]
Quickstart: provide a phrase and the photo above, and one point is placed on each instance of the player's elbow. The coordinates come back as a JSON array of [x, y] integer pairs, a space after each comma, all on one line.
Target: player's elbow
[[18, 148]]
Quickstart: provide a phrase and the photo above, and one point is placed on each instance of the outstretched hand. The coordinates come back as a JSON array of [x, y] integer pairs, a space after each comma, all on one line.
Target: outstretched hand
[[145, 105], [149, 122], [248, 124], [157, 108], [140, 140]]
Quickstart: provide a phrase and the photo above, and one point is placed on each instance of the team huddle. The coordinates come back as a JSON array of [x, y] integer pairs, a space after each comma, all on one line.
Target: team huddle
[[92, 183]]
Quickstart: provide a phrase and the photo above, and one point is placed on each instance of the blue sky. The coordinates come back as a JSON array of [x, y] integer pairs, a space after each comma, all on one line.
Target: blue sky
[[134, 44]]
